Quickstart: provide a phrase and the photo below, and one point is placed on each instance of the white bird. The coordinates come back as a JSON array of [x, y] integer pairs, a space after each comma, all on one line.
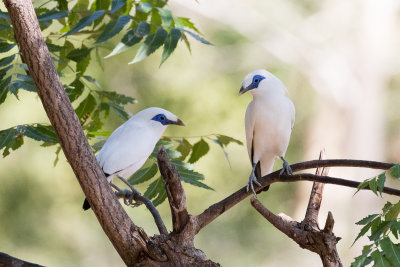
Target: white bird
[[269, 121], [129, 146]]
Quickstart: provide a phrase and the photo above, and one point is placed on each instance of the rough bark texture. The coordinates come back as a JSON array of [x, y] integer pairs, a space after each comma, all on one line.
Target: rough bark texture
[[126, 237], [307, 233], [9, 261]]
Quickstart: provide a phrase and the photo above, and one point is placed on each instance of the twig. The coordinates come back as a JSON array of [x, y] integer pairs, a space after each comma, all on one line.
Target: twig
[[222, 206], [176, 194], [332, 180], [311, 218], [156, 215]]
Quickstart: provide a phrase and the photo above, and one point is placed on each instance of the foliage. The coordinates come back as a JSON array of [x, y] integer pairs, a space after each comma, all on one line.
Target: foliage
[[81, 33], [384, 228]]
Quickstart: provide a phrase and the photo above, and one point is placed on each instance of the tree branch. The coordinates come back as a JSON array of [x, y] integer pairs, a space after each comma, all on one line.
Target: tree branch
[[176, 194], [222, 206], [311, 218], [7, 260], [137, 196], [128, 239]]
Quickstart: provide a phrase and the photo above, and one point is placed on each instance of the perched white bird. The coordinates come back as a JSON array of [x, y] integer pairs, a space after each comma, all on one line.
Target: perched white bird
[[269, 121], [129, 146]]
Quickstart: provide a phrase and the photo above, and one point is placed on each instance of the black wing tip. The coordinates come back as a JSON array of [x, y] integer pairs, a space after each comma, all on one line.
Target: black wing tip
[[86, 205]]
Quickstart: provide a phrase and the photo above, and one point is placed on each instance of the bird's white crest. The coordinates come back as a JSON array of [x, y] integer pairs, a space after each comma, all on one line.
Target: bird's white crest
[[269, 120], [270, 83]]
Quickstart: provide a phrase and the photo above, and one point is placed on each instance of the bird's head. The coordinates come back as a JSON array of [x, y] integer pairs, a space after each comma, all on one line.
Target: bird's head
[[160, 117], [261, 81]]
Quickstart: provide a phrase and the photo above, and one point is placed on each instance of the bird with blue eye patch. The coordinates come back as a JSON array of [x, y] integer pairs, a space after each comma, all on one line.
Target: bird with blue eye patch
[[269, 121], [129, 146]]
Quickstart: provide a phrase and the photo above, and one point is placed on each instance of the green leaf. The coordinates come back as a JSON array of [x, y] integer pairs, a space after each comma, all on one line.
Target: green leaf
[[380, 229], [53, 14], [367, 219], [199, 149], [38, 132], [62, 4], [373, 185], [197, 37], [4, 89], [170, 43], [226, 140], [365, 229], [184, 147], [82, 65], [195, 183], [4, 47], [144, 7], [117, 98], [154, 188], [162, 195], [393, 212], [18, 84], [113, 28], [85, 21], [85, 108], [119, 110], [7, 60], [363, 259], [3, 71], [4, 15], [100, 4], [75, 90], [381, 182], [150, 44], [166, 17], [379, 259], [395, 171], [182, 22], [79, 54], [392, 252], [117, 4], [143, 175], [10, 139]]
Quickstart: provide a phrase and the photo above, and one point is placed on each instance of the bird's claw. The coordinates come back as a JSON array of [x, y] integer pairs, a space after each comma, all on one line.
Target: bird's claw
[[252, 181], [286, 169]]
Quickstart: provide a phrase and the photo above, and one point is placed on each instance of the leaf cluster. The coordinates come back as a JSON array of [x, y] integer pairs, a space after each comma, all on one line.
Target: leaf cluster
[[383, 228]]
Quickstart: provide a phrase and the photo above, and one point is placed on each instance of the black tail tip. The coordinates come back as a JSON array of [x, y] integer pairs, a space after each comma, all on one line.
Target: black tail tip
[[86, 205]]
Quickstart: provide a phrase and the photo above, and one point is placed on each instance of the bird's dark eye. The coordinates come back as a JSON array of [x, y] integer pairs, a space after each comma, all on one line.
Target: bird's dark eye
[[162, 118], [256, 80]]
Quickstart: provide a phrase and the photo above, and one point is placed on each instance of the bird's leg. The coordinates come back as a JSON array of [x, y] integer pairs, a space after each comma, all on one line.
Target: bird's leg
[[133, 195], [285, 167], [252, 180], [126, 194]]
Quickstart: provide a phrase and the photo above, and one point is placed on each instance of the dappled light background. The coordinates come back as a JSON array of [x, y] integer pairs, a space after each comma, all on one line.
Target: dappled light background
[[340, 62]]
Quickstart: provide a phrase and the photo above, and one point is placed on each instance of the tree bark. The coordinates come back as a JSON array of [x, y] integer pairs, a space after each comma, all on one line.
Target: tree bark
[[128, 239], [9, 261]]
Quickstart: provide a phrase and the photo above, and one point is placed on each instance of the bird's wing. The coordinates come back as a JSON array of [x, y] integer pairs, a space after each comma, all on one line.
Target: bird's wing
[[249, 126], [292, 112], [126, 146]]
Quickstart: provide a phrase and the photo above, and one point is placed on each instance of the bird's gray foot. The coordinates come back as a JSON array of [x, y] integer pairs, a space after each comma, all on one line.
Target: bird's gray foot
[[252, 181], [285, 168]]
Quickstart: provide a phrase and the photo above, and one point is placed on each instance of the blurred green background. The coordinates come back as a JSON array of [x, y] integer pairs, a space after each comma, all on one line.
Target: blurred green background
[[340, 63]]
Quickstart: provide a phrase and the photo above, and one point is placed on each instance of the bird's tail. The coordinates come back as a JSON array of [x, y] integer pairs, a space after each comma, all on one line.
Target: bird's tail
[[86, 205], [257, 173]]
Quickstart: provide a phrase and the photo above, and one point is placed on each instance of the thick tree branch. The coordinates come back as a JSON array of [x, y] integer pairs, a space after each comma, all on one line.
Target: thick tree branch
[[176, 194], [128, 239], [222, 206], [322, 242], [9, 261]]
